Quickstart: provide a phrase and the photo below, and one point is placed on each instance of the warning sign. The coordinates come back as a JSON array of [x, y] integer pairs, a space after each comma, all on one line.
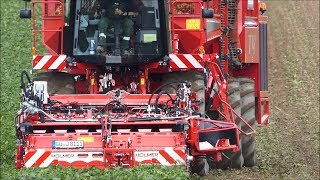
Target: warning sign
[[192, 23]]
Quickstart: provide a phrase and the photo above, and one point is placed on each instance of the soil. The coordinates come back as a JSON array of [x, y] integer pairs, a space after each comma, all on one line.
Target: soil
[[289, 147]]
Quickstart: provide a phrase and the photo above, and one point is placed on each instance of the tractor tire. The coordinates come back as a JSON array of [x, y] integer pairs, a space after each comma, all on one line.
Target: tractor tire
[[233, 159], [200, 164], [248, 114], [58, 82], [197, 80]]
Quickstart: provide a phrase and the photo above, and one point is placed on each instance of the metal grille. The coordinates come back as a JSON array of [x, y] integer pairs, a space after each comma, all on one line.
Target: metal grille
[[184, 8]]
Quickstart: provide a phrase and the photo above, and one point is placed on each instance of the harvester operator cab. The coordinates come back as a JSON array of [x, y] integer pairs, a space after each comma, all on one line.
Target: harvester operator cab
[[95, 37]]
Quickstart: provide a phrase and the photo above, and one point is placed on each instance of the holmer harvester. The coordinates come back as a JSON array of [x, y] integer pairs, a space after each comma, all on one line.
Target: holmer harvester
[[191, 94]]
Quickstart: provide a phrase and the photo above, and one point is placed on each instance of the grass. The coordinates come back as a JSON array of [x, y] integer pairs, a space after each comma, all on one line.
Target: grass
[[15, 56], [287, 149], [58, 173]]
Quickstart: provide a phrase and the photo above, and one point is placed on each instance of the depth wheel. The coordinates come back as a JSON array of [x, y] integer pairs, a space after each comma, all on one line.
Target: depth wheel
[[58, 82], [248, 114]]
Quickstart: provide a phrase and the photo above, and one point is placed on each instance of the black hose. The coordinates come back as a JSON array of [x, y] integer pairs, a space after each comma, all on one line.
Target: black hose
[[27, 95], [158, 97], [23, 85], [163, 85], [114, 101]]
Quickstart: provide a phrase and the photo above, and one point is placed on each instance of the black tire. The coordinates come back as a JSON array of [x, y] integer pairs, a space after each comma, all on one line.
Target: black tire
[[248, 114], [199, 165], [233, 159], [197, 80], [58, 82]]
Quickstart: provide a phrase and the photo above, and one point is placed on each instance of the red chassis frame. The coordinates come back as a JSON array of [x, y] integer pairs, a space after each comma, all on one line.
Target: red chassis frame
[[106, 149], [133, 148]]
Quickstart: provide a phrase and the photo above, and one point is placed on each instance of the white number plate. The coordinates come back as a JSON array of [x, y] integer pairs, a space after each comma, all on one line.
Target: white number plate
[[67, 144]]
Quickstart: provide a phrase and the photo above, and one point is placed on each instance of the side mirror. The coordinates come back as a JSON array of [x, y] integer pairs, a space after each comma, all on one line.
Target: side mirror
[[25, 14], [207, 13]]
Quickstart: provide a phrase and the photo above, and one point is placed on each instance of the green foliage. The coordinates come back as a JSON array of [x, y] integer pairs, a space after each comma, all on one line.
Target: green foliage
[[58, 173], [15, 56]]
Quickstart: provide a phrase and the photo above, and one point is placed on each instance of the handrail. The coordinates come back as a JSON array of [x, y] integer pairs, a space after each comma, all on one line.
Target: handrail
[[47, 18], [173, 16]]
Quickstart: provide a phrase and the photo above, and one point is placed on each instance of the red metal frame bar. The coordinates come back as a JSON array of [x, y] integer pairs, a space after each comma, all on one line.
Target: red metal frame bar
[[263, 102], [103, 99], [232, 119], [35, 31], [194, 135]]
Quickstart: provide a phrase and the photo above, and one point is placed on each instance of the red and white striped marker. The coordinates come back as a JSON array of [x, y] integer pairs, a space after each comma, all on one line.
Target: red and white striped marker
[[49, 62], [166, 157], [42, 158], [186, 61]]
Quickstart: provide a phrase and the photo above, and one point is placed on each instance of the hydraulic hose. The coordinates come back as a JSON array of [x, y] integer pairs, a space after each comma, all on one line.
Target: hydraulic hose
[[158, 97], [23, 85], [163, 85], [114, 101]]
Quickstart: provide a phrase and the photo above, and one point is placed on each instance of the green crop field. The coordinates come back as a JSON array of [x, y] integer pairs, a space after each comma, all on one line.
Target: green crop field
[[287, 149]]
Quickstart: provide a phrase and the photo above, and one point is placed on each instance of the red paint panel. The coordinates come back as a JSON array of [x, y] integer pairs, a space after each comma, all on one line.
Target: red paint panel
[[79, 164], [64, 163]]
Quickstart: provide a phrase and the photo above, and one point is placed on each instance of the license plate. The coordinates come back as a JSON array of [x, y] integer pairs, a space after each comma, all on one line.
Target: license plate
[[67, 144]]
